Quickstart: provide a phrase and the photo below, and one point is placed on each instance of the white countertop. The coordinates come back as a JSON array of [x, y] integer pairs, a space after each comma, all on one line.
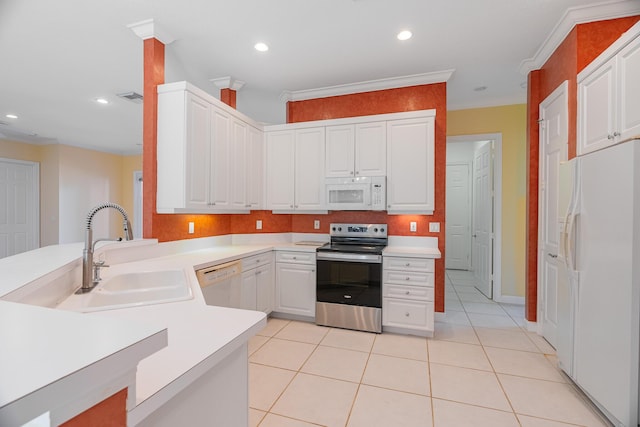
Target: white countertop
[[199, 336], [412, 247]]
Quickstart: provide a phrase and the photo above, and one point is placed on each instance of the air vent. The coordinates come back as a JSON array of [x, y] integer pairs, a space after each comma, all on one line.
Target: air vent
[[132, 96]]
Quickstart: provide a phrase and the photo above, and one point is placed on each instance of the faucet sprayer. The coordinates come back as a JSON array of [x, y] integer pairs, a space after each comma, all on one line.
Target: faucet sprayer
[[88, 266]]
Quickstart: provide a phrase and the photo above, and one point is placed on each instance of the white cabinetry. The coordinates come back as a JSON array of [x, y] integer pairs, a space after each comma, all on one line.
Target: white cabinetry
[[356, 150], [609, 97], [257, 289], [408, 295], [410, 166], [296, 283], [246, 159], [295, 165], [202, 153]]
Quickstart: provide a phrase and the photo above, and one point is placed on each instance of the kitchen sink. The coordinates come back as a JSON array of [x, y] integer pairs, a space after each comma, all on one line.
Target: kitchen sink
[[132, 289]]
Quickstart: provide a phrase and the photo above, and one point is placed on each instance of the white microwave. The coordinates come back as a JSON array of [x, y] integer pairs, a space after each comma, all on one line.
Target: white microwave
[[356, 194]]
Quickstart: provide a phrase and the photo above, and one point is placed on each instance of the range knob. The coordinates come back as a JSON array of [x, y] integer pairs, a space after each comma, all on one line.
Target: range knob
[[375, 230], [333, 228], [382, 230], [339, 228]]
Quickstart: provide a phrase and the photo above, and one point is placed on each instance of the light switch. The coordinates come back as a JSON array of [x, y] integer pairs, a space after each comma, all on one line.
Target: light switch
[[434, 227], [191, 227], [259, 224], [413, 226], [316, 224]]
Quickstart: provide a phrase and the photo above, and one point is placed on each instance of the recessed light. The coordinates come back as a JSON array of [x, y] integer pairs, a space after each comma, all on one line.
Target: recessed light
[[404, 35], [11, 116], [480, 88], [261, 47], [101, 101]]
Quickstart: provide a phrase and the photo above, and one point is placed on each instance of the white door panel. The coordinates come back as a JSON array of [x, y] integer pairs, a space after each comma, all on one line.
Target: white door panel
[[483, 219], [458, 232], [19, 207], [553, 150]]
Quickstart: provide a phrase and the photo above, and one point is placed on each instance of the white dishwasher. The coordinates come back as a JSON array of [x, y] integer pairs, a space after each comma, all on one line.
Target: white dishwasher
[[221, 284]]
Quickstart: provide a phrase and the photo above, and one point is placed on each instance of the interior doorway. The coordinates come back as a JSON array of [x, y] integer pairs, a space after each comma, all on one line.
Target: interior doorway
[[474, 200], [19, 206]]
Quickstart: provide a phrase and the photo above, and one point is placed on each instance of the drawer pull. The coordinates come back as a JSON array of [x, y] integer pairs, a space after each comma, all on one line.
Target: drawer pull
[[408, 278], [407, 293], [408, 264], [295, 257], [406, 314]]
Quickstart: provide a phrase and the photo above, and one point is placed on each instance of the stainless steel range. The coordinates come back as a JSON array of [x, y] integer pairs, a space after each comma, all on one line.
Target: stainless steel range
[[349, 277]]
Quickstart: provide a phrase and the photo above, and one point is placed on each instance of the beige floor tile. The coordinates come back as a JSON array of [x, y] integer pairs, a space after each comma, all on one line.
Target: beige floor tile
[[514, 310], [549, 400], [406, 346], [318, 400], [493, 321], [458, 354], [351, 340], [303, 332], [472, 297], [526, 421], [503, 338], [255, 416], [452, 332], [453, 304], [273, 420], [541, 343], [378, 407], [255, 342], [454, 414], [338, 363], [398, 374], [484, 308], [456, 318], [523, 363], [283, 354], [266, 384], [273, 326], [470, 386]]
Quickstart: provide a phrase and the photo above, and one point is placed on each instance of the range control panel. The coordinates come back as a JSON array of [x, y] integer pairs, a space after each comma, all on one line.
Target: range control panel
[[358, 230]]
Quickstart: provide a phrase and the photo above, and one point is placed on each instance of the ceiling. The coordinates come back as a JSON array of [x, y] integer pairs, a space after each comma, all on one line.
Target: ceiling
[[57, 57]]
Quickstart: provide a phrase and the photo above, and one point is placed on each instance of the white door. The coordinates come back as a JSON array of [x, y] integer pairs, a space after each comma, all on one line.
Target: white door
[[198, 140], [220, 190], [280, 170], [20, 207], [340, 151], [296, 289], [553, 150], [483, 219], [371, 149], [309, 167], [239, 174], [458, 224], [629, 91]]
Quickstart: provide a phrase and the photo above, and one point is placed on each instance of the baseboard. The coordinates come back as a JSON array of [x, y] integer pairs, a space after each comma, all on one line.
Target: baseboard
[[440, 316], [531, 326]]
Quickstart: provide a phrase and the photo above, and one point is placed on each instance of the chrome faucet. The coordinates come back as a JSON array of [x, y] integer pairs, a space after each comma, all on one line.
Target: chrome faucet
[[91, 270]]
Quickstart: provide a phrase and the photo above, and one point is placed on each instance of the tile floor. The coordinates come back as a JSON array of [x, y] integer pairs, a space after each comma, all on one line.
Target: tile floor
[[480, 369]]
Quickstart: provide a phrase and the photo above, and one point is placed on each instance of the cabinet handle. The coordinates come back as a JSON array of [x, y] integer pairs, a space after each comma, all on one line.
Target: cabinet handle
[[313, 271], [357, 172], [407, 293], [407, 278], [408, 264], [295, 257], [406, 314], [552, 255], [389, 206], [296, 206], [616, 134], [257, 260], [610, 137], [351, 173]]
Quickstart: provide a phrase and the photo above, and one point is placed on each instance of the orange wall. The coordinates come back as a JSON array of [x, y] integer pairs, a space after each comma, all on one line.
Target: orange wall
[[583, 44], [111, 412], [423, 97]]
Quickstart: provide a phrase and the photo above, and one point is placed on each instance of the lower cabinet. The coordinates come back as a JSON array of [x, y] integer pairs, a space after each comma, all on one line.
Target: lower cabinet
[[296, 283], [408, 295], [257, 285]]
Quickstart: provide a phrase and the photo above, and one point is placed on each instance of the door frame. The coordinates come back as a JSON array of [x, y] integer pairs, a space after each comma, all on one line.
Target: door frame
[[137, 204], [497, 211], [35, 190]]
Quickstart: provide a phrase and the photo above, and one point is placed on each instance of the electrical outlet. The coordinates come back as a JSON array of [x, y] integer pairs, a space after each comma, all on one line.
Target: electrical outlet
[[191, 227], [259, 224], [316, 224], [413, 226], [434, 227]]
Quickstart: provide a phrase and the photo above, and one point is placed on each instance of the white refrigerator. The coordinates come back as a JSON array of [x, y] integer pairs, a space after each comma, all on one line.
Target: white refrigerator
[[599, 292]]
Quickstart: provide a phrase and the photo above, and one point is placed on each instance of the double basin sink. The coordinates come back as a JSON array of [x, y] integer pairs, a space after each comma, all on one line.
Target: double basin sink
[[132, 289]]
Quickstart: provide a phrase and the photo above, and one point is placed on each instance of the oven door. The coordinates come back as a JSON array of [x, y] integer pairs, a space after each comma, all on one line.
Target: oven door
[[349, 278]]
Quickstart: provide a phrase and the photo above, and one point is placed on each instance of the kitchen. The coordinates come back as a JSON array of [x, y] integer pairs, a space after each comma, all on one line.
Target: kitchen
[[166, 226]]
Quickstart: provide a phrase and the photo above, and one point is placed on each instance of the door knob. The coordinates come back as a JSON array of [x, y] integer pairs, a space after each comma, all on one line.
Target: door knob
[[552, 255]]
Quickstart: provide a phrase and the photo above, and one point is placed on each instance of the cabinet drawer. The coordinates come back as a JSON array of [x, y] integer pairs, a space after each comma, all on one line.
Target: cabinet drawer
[[410, 264], [296, 257], [408, 278], [256, 260], [407, 314], [421, 293]]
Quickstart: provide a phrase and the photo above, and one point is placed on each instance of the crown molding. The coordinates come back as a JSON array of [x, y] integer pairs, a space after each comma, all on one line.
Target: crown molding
[[572, 17], [148, 29], [227, 82], [367, 86]]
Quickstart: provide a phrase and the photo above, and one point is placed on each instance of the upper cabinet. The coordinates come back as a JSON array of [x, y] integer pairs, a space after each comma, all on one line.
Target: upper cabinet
[[356, 150], [295, 179], [410, 166], [207, 154], [609, 96]]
